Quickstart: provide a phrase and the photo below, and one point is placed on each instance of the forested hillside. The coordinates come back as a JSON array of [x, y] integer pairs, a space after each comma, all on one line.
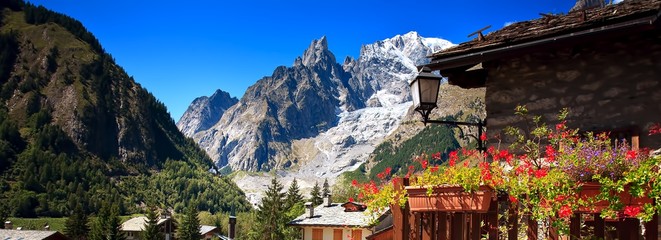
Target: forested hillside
[[75, 128]]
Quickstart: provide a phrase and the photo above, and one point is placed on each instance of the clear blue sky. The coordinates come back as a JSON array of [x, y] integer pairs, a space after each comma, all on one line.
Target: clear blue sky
[[180, 50]]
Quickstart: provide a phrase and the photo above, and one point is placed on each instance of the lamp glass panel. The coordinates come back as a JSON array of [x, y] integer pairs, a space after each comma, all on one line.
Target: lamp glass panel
[[415, 93], [429, 90]]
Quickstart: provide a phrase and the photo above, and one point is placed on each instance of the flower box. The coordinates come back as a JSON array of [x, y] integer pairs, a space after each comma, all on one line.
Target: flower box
[[591, 190], [450, 199]]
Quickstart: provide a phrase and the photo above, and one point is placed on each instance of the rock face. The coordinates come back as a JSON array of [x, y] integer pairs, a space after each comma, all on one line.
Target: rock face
[[317, 116], [204, 112]]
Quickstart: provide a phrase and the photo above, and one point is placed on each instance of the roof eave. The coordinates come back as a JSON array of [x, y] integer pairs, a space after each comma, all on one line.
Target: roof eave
[[481, 55]]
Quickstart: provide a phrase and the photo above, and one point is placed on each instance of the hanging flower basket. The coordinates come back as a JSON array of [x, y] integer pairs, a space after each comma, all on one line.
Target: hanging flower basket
[[450, 199], [591, 190]]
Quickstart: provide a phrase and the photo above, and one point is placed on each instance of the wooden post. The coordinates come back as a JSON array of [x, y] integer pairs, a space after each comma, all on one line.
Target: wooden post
[[492, 221], [553, 232], [652, 228], [575, 226], [599, 226], [533, 229], [401, 228], [475, 228], [427, 222], [513, 222], [628, 229], [457, 230], [443, 230]]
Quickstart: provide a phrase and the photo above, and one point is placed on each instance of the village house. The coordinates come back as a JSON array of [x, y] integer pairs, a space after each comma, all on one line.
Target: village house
[[8, 233], [209, 232], [133, 227], [333, 221], [602, 63]]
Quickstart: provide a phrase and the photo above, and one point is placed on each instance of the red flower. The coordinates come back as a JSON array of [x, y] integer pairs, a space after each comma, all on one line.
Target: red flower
[[483, 137], [540, 173], [632, 154], [453, 158], [560, 198], [350, 199], [434, 169], [388, 170], [436, 156], [560, 126], [631, 211], [380, 175], [550, 153], [360, 195], [424, 164], [513, 199], [354, 183], [565, 211]]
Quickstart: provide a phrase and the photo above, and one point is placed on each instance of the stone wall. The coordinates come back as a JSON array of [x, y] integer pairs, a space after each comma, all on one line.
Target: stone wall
[[606, 85]]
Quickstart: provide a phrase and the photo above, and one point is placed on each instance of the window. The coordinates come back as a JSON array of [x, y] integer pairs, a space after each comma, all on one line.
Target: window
[[357, 234], [337, 234], [317, 234]]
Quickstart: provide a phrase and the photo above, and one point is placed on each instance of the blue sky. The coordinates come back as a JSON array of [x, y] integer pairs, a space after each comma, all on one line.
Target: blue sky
[[180, 50]]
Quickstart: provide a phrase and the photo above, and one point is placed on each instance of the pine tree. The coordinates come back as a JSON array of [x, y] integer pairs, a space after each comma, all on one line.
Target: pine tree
[[100, 225], [151, 226], [115, 225], [190, 226], [76, 224], [315, 195], [326, 190], [293, 195], [270, 218]]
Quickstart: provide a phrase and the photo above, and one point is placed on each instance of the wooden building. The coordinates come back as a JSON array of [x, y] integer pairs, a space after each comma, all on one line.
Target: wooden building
[[333, 221]]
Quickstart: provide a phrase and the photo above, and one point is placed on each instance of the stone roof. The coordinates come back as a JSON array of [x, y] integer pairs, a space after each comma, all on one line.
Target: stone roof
[[204, 229], [9, 234], [332, 216], [137, 224], [554, 25]]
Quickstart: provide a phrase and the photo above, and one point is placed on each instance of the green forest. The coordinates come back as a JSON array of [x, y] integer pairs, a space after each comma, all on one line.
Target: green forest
[[76, 129]]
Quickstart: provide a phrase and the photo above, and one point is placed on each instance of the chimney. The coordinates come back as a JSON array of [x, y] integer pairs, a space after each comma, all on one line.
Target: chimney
[[327, 200], [232, 229], [310, 207], [9, 225]]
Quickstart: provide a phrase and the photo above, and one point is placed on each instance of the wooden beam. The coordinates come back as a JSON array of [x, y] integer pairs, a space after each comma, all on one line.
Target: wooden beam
[[575, 226], [599, 226]]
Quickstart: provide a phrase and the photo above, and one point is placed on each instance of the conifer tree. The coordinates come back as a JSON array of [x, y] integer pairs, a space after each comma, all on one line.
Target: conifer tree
[[76, 224], [115, 225], [293, 195], [315, 195], [270, 219], [326, 189], [100, 225], [190, 225], [151, 226]]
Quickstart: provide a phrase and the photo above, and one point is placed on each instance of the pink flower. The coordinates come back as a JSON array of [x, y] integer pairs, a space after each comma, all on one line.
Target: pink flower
[[655, 129], [354, 183]]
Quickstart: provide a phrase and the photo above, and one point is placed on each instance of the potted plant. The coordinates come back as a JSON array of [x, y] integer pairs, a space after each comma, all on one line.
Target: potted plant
[[465, 184], [559, 171]]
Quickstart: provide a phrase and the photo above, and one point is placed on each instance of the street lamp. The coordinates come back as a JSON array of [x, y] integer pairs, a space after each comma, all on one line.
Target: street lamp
[[424, 90]]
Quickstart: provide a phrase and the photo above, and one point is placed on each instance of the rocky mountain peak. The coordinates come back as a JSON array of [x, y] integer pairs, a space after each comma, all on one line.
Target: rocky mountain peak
[[317, 52], [204, 112]]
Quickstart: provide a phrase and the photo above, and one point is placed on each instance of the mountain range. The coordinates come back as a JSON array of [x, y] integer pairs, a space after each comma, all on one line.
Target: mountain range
[[316, 118]]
